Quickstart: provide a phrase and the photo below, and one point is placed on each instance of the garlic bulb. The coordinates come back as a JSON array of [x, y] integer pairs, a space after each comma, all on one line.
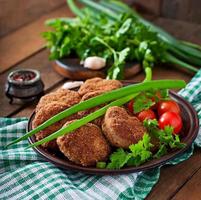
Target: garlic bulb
[[94, 63], [72, 84]]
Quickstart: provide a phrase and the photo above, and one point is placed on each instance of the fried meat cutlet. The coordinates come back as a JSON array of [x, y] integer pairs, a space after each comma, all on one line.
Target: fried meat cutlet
[[95, 84], [85, 146], [65, 96], [121, 129]]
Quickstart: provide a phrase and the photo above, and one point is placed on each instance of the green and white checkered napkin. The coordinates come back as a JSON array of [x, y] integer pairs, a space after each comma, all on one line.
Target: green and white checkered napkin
[[25, 175]]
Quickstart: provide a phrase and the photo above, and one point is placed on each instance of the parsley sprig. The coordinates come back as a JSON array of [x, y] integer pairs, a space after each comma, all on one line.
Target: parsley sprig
[[147, 99], [142, 102], [138, 154], [167, 139]]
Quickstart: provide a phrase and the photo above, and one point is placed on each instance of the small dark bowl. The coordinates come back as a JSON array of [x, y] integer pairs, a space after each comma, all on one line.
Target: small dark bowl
[[26, 90], [188, 135]]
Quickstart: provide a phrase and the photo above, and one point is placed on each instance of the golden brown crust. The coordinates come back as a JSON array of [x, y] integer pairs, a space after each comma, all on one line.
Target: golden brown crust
[[121, 129], [95, 84], [68, 97], [45, 113], [85, 146]]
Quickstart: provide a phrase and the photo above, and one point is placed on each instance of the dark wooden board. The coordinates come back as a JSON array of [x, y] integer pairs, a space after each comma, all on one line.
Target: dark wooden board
[[71, 68], [180, 29], [185, 10], [173, 178], [192, 187], [153, 7], [16, 13]]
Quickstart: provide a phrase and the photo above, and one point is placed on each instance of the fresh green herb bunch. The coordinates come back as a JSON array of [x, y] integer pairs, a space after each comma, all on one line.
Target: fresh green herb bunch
[[183, 54], [110, 29], [116, 41]]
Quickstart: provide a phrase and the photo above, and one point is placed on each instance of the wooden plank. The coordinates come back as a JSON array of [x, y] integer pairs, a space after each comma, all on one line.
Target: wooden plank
[[180, 29], [148, 16], [191, 190], [172, 178], [17, 13], [186, 10], [166, 72], [26, 112], [153, 7], [39, 62], [26, 41]]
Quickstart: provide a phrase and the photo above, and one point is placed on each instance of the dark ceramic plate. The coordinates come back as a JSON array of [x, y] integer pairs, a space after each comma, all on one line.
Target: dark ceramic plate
[[188, 135], [71, 68]]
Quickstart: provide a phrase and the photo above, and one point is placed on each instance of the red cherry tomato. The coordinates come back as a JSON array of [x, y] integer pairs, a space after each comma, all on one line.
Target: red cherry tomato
[[171, 119], [130, 106], [146, 114], [168, 106]]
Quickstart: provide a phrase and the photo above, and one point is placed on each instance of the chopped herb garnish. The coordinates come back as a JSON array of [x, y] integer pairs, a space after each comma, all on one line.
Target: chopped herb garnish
[[118, 159], [166, 136], [142, 102], [138, 154], [141, 151]]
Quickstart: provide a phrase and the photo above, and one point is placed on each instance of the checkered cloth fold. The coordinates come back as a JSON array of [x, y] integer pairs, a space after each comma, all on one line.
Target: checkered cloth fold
[[25, 175]]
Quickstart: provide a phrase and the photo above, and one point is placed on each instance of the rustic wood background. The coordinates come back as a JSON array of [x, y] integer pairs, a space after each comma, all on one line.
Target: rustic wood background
[[17, 13], [184, 10]]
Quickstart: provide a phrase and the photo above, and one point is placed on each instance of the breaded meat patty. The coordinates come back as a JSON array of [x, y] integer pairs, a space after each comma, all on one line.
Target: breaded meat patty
[[85, 146], [121, 129], [45, 113], [65, 96], [95, 84], [83, 113]]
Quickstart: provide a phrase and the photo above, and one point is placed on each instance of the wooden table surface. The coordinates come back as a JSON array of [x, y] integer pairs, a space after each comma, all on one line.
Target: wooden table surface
[[24, 48]]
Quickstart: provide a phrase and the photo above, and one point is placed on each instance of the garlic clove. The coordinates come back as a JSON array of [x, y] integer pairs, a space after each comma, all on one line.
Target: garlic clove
[[94, 63], [72, 84]]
